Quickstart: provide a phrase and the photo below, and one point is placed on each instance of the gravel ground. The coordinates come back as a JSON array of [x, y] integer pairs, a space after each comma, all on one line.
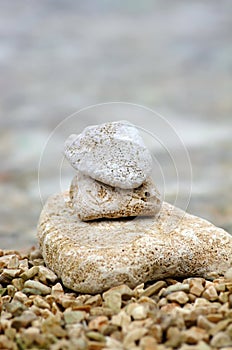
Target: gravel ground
[[37, 312], [58, 57]]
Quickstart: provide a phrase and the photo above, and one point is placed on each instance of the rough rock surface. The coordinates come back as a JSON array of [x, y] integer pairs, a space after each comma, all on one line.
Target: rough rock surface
[[113, 153], [94, 256], [92, 199]]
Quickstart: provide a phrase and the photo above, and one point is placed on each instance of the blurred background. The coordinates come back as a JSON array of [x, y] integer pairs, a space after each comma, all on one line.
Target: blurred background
[[57, 57]]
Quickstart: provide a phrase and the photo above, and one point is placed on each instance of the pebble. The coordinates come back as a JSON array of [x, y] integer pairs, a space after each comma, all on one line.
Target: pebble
[[148, 343], [71, 317], [36, 285], [210, 293], [28, 274], [137, 311], [92, 199], [112, 153], [220, 340], [154, 288], [91, 257], [194, 335], [41, 303], [173, 337], [177, 287], [132, 336], [113, 301], [141, 322], [24, 320], [196, 286], [98, 323], [46, 274], [13, 262]]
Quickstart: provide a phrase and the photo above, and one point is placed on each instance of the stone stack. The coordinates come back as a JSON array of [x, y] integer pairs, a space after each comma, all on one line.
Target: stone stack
[[113, 173], [113, 182]]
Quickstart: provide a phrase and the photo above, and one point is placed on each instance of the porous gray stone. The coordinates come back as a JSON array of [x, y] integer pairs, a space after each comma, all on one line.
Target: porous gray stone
[[91, 257], [113, 153], [92, 199]]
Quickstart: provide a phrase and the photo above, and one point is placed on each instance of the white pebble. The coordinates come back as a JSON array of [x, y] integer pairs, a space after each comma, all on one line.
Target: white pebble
[[113, 153]]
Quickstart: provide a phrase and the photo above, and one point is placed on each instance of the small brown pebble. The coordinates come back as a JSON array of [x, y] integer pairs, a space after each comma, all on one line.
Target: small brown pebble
[[179, 297], [99, 311], [95, 345], [132, 336], [24, 320], [148, 343], [210, 293], [11, 290], [36, 285], [192, 297], [98, 323], [13, 262], [156, 332], [224, 297], [23, 265], [10, 333], [215, 318], [154, 288], [173, 337], [46, 274], [220, 340], [220, 287], [122, 319], [8, 274], [220, 326], [194, 334], [169, 307], [136, 311], [123, 290], [57, 290], [73, 316], [18, 283], [41, 303], [178, 287], [196, 286], [162, 302], [20, 297], [204, 323], [113, 300], [28, 274], [95, 300], [95, 336], [15, 308]]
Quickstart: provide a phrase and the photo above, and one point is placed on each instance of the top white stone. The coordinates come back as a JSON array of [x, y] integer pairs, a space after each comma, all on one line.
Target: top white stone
[[113, 153]]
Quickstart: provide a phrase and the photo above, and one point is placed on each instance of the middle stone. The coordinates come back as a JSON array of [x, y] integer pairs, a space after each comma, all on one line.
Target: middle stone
[[92, 199]]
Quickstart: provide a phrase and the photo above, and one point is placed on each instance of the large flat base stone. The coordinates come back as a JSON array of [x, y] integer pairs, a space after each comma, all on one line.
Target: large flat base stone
[[91, 257]]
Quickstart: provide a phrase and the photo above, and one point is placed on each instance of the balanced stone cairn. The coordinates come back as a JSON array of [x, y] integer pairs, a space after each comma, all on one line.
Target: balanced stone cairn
[[113, 183], [113, 173]]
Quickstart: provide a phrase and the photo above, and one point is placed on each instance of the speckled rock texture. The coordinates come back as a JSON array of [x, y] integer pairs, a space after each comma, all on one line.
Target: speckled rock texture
[[113, 153], [91, 257], [92, 199]]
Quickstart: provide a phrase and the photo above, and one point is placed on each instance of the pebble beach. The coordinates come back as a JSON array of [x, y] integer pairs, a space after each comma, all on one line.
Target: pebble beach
[[37, 312], [172, 57]]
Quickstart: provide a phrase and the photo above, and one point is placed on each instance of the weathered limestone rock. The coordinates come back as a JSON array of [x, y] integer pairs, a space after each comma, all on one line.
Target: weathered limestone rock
[[92, 199], [113, 153], [93, 256]]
